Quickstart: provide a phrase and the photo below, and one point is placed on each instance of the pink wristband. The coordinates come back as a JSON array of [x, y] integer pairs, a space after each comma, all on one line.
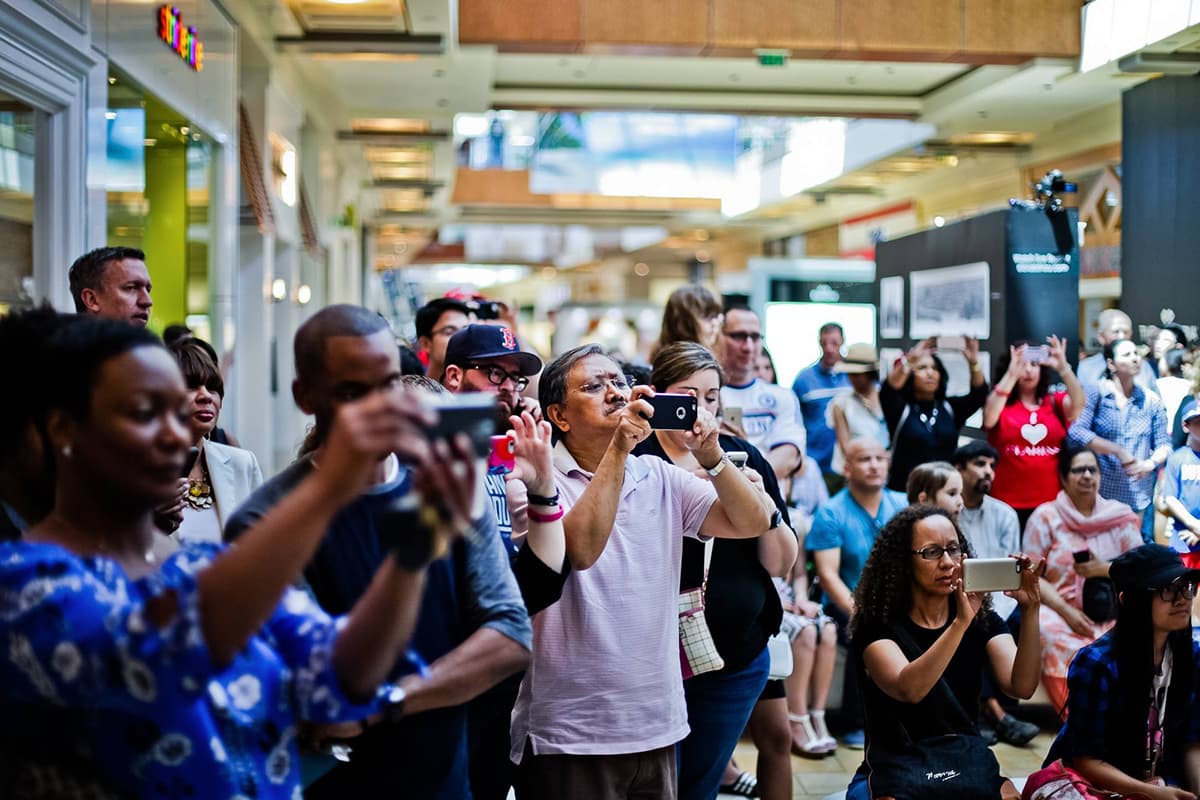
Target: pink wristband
[[537, 516]]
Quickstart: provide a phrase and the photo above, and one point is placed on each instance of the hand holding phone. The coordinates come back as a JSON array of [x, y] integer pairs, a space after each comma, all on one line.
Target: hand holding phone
[[1036, 354], [738, 458], [472, 413]]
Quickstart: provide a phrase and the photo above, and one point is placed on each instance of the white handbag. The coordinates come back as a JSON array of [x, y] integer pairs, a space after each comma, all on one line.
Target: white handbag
[[697, 651], [779, 648]]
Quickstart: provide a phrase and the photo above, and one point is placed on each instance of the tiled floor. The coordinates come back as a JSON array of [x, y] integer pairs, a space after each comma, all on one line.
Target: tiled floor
[[813, 780]]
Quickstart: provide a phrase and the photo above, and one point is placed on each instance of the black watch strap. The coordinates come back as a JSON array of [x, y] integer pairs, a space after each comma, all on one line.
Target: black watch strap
[[542, 500]]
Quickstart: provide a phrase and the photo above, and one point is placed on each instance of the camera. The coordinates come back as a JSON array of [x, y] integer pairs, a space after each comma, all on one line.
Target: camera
[[1047, 193], [486, 309]]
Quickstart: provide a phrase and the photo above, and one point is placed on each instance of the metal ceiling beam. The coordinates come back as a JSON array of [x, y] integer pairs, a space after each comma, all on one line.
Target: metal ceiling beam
[[370, 42]]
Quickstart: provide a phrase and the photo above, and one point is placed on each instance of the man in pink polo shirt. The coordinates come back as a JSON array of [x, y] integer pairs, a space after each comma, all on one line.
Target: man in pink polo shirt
[[601, 706]]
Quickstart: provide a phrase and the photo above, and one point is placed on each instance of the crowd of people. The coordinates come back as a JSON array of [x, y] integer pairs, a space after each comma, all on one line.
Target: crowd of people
[[592, 599]]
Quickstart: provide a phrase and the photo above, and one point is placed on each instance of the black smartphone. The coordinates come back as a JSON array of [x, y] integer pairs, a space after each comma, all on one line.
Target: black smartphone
[[1081, 556], [472, 413], [673, 412], [190, 461]]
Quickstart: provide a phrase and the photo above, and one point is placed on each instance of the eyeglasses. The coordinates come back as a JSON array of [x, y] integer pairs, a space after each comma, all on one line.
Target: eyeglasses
[[743, 336], [1176, 590], [935, 552], [622, 384], [497, 376], [1085, 470], [445, 330]]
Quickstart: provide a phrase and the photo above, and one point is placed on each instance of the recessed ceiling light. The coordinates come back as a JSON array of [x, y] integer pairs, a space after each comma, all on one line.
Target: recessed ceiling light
[[346, 2]]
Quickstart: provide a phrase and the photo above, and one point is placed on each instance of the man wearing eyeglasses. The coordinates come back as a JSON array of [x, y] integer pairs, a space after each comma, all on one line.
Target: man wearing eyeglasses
[[437, 321], [485, 358], [770, 413]]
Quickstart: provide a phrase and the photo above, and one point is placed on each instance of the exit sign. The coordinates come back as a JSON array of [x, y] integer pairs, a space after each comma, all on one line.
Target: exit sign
[[771, 58]]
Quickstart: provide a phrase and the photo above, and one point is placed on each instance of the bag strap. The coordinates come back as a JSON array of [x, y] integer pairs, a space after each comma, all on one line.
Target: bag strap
[[899, 427], [949, 701]]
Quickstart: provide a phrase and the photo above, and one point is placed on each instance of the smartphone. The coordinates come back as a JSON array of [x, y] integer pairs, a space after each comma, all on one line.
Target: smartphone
[[1081, 556], [1036, 354], [472, 413], [991, 574], [732, 415], [951, 342], [502, 454], [190, 461], [738, 458], [673, 412]]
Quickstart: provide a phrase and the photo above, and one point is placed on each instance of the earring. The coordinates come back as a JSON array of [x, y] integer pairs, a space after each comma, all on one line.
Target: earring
[[66, 451]]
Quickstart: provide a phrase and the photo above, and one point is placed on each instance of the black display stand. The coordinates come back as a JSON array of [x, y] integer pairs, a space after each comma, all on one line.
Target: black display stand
[[1033, 266]]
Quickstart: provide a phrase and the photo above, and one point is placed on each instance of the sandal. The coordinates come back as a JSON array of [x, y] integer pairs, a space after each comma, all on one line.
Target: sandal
[[813, 747], [823, 738], [746, 785]]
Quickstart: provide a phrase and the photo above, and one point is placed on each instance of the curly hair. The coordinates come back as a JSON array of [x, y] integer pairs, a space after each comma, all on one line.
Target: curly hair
[[884, 592]]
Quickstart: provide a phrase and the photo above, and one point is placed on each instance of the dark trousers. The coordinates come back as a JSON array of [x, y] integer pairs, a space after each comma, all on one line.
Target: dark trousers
[[850, 716], [488, 719], [634, 776], [988, 688]]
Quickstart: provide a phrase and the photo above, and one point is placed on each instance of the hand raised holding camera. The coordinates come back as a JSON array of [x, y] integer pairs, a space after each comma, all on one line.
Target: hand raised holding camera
[[532, 454], [702, 438]]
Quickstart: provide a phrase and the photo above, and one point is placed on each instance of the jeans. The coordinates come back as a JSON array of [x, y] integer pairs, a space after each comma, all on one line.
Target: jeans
[[718, 707], [858, 788]]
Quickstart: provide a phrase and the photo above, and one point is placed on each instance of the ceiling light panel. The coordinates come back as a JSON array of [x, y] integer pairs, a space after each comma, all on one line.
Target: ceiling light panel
[[389, 125]]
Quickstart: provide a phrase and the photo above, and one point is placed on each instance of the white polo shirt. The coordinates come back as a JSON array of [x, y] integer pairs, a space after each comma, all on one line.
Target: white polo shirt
[[604, 678]]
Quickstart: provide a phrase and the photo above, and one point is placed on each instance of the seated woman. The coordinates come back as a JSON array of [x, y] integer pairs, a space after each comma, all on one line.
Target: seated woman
[[923, 421], [921, 644], [188, 678], [1132, 727], [1077, 536], [222, 477]]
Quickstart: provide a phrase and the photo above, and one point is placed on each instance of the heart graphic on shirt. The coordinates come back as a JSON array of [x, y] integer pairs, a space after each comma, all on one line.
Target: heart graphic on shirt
[[1033, 433]]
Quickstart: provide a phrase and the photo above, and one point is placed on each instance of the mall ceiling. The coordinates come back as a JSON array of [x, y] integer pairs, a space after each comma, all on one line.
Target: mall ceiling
[[393, 74]]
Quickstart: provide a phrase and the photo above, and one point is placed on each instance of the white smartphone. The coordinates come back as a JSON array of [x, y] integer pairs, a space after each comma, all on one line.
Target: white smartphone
[[951, 342], [991, 574], [738, 458], [732, 415]]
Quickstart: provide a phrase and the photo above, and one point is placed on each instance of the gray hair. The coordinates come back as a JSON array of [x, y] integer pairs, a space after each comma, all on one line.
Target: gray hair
[[552, 388]]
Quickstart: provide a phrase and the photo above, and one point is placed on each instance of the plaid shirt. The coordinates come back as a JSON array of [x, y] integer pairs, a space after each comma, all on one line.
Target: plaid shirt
[[1141, 428], [1092, 686]]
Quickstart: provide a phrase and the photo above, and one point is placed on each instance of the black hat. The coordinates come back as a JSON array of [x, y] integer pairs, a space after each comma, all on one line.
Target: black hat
[[1151, 566], [479, 342]]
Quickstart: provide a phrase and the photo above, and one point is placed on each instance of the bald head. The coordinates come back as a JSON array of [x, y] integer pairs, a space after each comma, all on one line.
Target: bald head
[[866, 464], [330, 322], [1114, 324]]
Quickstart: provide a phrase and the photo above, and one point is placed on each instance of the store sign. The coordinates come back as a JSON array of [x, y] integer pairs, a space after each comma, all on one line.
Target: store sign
[[182, 39]]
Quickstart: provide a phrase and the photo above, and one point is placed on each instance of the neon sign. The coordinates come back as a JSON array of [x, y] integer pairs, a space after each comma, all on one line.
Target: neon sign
[[183, 40]]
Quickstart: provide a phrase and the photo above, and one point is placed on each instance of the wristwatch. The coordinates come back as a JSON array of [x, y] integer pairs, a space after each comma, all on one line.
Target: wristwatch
[[717, 468], [395, 703], [776, 519]]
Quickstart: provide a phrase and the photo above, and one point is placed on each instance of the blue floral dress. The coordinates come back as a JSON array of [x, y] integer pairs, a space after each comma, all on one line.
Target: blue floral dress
[[145, 703]]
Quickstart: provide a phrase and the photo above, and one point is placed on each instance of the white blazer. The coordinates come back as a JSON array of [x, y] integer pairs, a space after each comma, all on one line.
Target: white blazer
[[234, 473]]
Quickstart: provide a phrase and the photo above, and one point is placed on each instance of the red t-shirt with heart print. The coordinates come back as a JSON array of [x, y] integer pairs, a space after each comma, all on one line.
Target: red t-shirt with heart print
[[1028, 443]]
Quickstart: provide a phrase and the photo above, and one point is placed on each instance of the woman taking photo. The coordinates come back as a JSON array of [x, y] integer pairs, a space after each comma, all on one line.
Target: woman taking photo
[[741, 604], [858, 412], [1027, 423], [921, 645], [924, 422], [1131, 728], [1077, 536], [1127, 427], [188, 678], [221, 477]]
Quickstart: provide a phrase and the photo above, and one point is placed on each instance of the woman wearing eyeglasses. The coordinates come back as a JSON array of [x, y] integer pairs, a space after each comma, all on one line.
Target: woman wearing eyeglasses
[[1132, 729], [921, 644], [1078, 534]]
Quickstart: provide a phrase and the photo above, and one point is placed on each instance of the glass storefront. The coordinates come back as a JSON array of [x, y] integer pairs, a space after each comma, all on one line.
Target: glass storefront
[[159, 177], [17, 154]]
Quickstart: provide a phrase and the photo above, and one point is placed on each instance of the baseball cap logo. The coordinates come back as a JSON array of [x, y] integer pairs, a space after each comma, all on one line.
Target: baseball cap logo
[[510, 341]]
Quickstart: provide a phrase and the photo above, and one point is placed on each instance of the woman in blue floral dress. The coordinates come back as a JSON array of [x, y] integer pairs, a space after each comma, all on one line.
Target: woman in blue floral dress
[[189, 678]]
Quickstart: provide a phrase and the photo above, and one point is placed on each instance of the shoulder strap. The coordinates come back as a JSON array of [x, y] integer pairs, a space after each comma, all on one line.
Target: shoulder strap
[[957, 716], [899, 427]]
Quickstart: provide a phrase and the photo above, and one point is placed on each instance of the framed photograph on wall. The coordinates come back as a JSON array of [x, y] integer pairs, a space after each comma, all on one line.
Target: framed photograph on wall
[[891, 307], [951, 301]]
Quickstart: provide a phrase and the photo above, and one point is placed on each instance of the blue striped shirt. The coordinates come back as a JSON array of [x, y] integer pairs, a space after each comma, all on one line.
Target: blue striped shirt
[[1140, 428]]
